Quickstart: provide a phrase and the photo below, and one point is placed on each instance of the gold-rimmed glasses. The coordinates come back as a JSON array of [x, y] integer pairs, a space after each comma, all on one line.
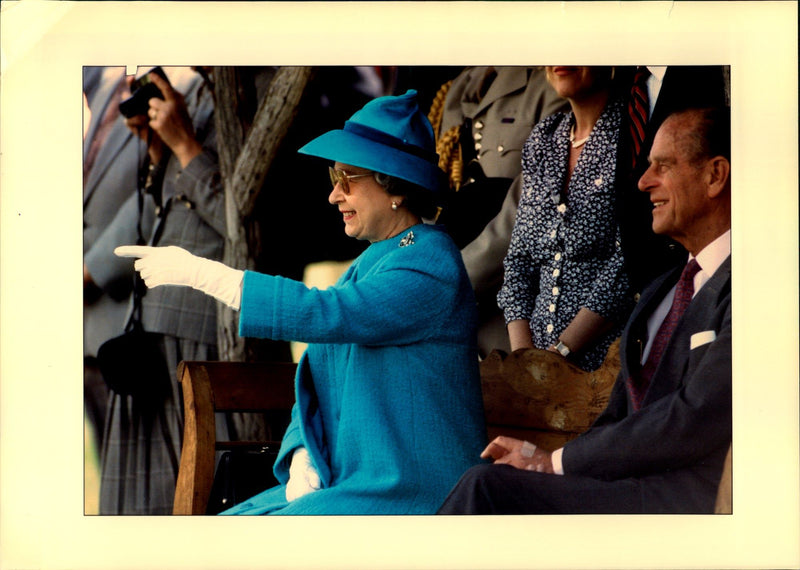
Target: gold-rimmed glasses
[[342, 178]]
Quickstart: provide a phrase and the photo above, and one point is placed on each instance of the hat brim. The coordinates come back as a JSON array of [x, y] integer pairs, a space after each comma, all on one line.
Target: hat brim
[[348, 148]]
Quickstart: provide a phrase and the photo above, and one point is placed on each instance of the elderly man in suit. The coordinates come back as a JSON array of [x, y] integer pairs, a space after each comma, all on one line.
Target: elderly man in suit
[[660, 445]]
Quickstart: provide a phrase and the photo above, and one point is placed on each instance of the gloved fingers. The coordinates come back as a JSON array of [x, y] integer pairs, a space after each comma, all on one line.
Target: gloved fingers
[[134, 250], [312, 477], [296, 487]]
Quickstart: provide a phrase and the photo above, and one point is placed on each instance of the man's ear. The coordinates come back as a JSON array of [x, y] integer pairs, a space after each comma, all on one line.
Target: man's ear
[[718, 175]]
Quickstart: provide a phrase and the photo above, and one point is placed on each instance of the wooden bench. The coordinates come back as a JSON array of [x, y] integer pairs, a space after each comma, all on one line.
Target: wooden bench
[[532, 394], [209, 387]]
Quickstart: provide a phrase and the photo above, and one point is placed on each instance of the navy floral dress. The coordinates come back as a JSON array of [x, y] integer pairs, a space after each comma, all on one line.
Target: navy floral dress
[[565, 248]]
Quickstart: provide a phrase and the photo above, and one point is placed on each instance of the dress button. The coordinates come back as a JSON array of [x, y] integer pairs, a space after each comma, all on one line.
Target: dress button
[[555, 290], [556, 272], [478, 124], [557, 256], [552, 308], [550, 328]]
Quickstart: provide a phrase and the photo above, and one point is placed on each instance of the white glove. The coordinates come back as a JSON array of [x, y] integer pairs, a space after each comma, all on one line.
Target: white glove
[[172, 265], [303, 478]]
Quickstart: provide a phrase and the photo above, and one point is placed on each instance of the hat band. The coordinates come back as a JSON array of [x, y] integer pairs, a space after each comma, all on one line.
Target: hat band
[[389, 140]]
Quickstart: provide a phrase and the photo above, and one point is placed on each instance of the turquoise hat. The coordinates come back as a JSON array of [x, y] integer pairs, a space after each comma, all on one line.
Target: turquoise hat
[[388, 135]]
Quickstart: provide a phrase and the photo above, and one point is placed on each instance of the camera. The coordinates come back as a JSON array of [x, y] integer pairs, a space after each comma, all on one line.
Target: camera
[[142, 90]]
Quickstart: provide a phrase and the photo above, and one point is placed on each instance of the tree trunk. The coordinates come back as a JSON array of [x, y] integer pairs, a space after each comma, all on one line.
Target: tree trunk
[[247, 143]]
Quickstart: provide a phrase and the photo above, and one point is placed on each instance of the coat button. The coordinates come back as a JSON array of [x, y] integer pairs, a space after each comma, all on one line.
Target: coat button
[[556, 272], [552, 308], [557, 256], [478, 136], [501, 148], [477, 146], [555, 291], [478, 124], [553, 234], [550, 328]]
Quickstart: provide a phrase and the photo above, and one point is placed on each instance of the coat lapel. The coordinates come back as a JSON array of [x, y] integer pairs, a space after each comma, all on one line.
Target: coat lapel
[[699, 315], [508, 80]]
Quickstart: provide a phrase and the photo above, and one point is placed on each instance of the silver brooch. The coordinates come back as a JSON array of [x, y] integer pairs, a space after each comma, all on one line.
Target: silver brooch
[[407, 240]]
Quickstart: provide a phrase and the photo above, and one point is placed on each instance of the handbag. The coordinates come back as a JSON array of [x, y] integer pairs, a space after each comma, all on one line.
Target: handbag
[[241, 474], [133, 364]]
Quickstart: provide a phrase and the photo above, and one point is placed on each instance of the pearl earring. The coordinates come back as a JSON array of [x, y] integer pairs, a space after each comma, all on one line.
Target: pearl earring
[[394, 206]]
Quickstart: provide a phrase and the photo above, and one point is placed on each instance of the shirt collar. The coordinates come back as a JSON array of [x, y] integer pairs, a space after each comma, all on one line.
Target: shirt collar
[[714, 254], [657, 71]]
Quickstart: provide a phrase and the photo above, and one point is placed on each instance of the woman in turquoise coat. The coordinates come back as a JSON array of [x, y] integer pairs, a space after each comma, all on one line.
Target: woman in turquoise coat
[[388, 412]]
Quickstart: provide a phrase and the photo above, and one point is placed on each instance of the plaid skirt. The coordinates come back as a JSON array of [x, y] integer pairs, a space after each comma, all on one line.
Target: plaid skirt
[[142, 442]]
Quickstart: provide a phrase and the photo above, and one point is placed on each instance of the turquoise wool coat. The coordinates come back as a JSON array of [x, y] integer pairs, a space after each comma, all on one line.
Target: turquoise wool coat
[[388, 394]]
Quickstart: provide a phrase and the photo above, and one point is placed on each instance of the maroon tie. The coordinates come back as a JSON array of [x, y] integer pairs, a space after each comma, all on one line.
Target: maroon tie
[[684, 291], [638, 111]]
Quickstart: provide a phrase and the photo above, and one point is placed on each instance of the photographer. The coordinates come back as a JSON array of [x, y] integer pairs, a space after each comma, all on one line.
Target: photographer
[[180, 202]]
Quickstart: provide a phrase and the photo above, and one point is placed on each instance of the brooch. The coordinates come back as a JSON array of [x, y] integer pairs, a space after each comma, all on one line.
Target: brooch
[[407, 240]]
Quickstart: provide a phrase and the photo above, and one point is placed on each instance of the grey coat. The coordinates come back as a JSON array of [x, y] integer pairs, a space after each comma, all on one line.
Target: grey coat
[[502, 119]]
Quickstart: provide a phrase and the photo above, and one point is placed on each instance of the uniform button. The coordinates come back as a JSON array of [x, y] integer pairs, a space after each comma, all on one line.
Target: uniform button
[[556, 272], [477, 146], [501, 148], [557, 256], [553, 234], [478, 124], [552, 308], [550, 328], [555, 290], [478, 136]]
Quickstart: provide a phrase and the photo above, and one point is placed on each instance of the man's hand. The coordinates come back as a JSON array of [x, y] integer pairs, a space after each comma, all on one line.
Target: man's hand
[[518, 453]]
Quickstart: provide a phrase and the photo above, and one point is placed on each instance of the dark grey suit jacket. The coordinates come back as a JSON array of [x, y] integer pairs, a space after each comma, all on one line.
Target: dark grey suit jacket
[[675, 445]]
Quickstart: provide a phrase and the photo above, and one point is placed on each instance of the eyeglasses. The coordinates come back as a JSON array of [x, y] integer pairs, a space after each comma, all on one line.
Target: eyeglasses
[[342, 178]]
